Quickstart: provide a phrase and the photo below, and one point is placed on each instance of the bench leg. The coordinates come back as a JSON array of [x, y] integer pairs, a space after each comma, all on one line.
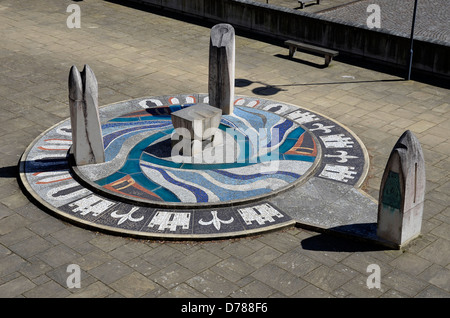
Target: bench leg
[[328, 59], [291, 51], [318, 1]]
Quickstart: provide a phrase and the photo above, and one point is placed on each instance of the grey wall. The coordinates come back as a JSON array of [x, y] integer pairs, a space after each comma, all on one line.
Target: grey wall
[[430, 57]]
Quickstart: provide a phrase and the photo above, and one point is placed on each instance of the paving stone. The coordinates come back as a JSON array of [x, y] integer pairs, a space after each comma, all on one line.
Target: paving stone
[[11, 223], [11, 263], [142, 266], [49, 289], [410, 263], [199, 261], [255, 289], [16, 236], [233, 268], [262, 256], [404, 283], [162, 256], [326, 278], [73, 236], [172, 275], [110, 271], [357, 288], [95, 290], [182, 291], [31, 246], [296, 263], [432, 292], [15, 287], [438, 276], [434, 252], [312, 292], [34, 268], [46, 226]]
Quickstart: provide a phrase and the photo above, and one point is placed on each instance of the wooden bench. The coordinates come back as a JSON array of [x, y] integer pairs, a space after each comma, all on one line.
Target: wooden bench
[[294, 45], [303, 2]]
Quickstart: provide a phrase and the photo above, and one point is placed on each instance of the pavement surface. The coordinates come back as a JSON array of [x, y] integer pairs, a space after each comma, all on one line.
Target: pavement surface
[[136, 53]]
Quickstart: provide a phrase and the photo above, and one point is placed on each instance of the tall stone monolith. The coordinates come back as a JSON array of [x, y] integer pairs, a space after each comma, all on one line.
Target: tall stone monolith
[[402, 192], [221, 67], [87, 140]]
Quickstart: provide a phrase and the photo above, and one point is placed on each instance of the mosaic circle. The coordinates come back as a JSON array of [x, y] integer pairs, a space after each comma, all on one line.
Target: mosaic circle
[[230, 189]]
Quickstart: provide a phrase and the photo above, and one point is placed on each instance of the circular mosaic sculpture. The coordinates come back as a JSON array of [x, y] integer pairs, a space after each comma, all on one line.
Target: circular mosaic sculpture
[[147, 189]]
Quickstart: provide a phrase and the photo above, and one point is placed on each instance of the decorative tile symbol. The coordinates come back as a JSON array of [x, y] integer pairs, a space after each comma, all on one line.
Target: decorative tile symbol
[[260, 213], [216, 221], [170, 220], [337, 141], [338, 173], [151, 102], [91, 204], [127, 216]]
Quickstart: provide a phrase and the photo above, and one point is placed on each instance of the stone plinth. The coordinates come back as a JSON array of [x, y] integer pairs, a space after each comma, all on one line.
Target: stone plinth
[[195, 126], [402, 192], [221, 67]]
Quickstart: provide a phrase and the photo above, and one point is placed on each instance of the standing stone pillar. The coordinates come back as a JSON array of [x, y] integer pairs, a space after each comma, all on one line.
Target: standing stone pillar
[[221, 68], [87, 140], [402, 192]]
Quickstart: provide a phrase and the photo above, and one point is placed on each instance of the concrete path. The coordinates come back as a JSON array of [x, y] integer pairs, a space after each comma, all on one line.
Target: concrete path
[[136, 53]]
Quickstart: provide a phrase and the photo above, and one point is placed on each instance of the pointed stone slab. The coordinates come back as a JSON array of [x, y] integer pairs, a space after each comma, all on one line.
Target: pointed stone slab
[[402, 192], [221, 67], [87, 140]]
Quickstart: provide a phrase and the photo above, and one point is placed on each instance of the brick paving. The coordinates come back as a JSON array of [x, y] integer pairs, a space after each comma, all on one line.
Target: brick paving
[[135, 53]]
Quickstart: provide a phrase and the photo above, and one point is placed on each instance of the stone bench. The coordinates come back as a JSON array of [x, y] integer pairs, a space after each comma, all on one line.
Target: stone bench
[[294, 45], [303, 2], [196, 126]]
